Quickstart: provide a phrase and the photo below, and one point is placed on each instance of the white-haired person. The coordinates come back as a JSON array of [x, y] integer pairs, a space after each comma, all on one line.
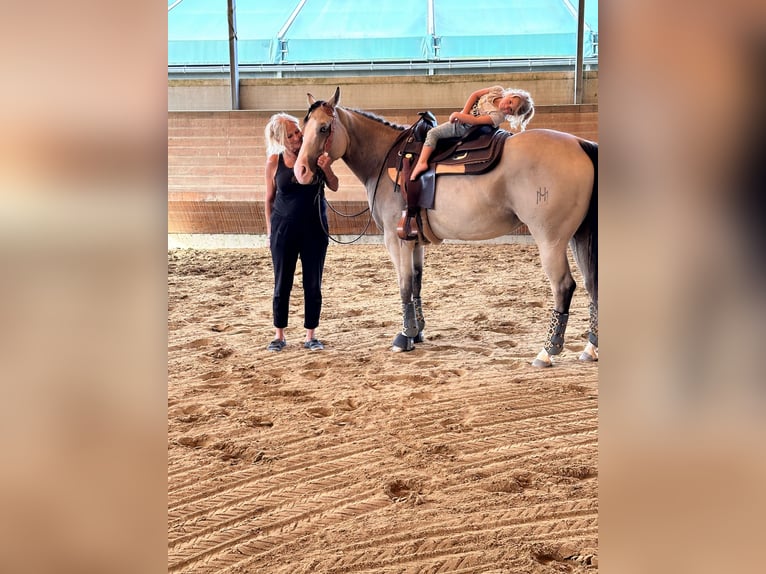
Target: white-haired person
[[296, 223], [488, 106]]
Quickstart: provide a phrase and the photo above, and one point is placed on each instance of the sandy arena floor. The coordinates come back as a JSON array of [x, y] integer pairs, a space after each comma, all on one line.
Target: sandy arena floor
[[456, 457]]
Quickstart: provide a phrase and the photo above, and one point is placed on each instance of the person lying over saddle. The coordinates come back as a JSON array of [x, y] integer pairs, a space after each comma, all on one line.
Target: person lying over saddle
[[488, 106]]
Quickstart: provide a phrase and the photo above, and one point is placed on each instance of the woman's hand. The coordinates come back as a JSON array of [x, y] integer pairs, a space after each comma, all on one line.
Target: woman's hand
[[324, 161]]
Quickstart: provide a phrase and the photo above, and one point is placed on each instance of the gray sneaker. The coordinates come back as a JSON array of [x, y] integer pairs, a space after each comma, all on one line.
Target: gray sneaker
[[277, 345], [314, 345]]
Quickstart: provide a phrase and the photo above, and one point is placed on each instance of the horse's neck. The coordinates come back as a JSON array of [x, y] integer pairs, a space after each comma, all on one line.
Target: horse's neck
[[369, 142]]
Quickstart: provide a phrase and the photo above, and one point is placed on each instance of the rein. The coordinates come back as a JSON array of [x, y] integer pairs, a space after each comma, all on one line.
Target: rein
[[321, 196]]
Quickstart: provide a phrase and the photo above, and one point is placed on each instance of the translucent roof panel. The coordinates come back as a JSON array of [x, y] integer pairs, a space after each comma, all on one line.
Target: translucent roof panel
[[350, 30], [328, 31], [544, 28], [258, 24], [198, 32], [591, 15]]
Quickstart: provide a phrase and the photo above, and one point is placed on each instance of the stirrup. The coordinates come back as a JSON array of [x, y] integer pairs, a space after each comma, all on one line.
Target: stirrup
[[405, 230]]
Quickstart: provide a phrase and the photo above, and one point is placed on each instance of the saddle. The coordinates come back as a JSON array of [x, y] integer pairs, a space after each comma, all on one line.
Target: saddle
[[477, 152]]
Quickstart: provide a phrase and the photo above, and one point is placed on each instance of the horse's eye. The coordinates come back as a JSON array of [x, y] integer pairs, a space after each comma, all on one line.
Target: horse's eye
[[323, 129]]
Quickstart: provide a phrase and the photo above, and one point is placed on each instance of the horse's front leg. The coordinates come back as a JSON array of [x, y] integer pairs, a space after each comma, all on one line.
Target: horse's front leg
[[401, 253], [418, 259]]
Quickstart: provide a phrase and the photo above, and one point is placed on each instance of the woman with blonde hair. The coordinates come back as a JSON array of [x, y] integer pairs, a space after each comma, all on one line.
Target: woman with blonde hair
[[296, 220]]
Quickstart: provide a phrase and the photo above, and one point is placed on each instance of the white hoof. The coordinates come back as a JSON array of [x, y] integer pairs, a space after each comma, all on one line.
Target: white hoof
[[543, 359], [590, 353]]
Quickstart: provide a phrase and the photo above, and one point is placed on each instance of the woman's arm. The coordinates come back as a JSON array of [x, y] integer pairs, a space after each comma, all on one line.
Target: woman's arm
[[325, 164], [271, 191]]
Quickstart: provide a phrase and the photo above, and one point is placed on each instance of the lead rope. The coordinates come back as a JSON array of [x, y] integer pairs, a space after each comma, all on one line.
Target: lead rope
[[325, 227]]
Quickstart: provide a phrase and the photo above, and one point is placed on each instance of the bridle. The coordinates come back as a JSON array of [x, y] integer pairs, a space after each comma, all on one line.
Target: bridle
[[330, 110], [328, 141]]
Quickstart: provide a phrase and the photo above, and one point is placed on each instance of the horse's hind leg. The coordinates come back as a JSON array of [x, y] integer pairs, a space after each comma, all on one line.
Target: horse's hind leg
[[556, 267], [585, 249], [583, 254]]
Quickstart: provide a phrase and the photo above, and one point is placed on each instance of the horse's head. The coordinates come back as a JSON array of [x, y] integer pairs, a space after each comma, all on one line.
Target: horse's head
[[322, 133]]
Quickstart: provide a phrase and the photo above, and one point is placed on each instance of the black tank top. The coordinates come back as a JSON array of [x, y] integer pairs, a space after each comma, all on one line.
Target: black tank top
[[293, 200]]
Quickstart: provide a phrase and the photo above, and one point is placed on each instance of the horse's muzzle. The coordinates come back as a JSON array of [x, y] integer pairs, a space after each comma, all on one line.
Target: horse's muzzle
[[303, 174]]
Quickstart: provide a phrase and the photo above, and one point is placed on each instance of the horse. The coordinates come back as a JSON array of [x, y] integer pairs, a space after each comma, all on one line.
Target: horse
[[545, 179]]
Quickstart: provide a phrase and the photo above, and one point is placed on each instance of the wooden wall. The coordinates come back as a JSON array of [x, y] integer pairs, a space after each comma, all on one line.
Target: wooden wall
[[216, 167]]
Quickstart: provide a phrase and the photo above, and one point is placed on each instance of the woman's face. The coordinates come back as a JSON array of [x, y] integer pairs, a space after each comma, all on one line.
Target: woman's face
[[293, 137]]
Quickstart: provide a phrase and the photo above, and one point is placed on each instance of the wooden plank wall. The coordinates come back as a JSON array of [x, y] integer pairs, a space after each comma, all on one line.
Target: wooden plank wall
[[216, 168]]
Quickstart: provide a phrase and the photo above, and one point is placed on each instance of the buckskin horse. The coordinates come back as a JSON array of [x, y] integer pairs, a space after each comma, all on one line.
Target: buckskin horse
[[545, 179]]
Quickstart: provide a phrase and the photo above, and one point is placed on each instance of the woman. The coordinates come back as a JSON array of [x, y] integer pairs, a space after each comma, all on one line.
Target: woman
[[296, 220], [488, 106]]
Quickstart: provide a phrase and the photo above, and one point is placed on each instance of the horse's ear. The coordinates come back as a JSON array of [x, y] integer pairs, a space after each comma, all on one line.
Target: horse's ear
[[335, 98], [312, 99]]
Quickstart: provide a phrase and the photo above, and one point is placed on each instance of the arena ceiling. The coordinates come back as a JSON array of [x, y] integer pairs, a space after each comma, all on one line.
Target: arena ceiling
[[341, 32]]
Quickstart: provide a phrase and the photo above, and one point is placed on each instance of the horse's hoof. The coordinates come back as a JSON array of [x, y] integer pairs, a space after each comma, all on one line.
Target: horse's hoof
[[543, 359], [419, 338], [590, 353], [403, 343]]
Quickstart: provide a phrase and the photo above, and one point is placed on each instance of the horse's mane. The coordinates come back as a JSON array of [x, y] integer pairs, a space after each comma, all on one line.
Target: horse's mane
[[364, 113], [377, 118]]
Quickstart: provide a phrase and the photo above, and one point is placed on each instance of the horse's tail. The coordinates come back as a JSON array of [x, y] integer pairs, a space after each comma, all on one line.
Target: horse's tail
[[585, 240]]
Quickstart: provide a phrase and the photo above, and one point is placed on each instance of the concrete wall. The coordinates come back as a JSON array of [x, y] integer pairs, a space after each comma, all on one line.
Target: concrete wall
[[382, 93]]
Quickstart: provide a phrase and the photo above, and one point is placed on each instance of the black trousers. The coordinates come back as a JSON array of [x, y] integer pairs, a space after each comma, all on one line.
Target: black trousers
[[291, 240]]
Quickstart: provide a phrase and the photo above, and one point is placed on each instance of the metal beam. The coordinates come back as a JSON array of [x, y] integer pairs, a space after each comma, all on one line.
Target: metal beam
[[286, 26], [339, 69], [578, 77], [233, 59], [174, 4]]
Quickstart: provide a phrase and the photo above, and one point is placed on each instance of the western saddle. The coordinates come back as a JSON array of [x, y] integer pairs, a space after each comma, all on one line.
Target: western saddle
[[477, 152]]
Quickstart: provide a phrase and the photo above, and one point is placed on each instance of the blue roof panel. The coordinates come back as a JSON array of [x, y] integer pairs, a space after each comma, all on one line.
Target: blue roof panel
[[258, 24], [520, 29], [383, 30], [349, 30], [198, 33]]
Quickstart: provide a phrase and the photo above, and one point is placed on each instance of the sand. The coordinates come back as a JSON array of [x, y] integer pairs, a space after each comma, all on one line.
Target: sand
[[456, 457]]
